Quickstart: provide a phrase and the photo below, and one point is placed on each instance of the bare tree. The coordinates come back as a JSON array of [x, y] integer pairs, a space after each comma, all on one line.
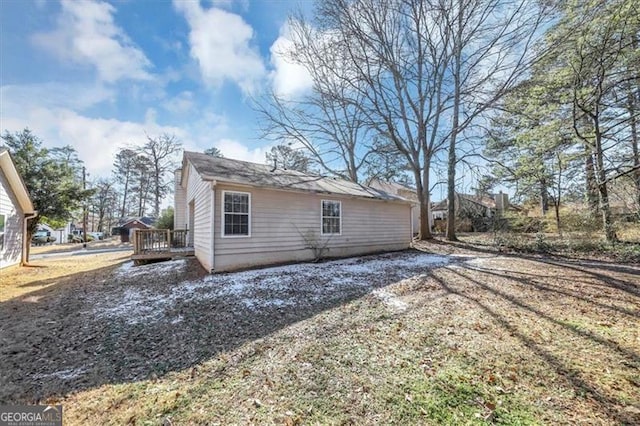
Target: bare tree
[[329, 126], [214, 152], [387, 164], [142, 182], [161, 153], [417, 73], [491, 51], [386, 63], [288, 158], [124, 169], [104, 202]]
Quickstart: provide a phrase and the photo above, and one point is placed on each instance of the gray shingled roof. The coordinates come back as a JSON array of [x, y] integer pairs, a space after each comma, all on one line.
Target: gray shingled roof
[[260, 175]]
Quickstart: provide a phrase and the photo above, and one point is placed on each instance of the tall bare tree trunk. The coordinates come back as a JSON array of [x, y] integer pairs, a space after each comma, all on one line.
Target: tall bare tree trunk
[[605, 208], [422, 192], [544, 197], [451, 167], [124, 196], [425, 211], [635, 147], [591, 185], [451, 189]]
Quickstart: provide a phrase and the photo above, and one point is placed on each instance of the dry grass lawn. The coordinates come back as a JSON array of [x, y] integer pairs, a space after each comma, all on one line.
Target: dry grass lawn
[[18, 281], [111, 242], [485, 338]]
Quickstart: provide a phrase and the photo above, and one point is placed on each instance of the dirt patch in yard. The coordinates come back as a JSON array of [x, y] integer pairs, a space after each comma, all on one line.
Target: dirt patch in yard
[[402, 338]]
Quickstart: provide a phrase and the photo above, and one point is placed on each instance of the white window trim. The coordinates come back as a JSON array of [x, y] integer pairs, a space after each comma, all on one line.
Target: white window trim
[[322, 217], [222, 234]]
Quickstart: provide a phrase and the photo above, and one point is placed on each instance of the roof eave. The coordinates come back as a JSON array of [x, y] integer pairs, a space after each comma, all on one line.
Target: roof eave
[[219, 180], [16, 183]]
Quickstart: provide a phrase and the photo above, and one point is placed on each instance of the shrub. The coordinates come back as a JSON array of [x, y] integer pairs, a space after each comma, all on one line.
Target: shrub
[[520, 223], [627, 253], [541, 243], [578, 221]]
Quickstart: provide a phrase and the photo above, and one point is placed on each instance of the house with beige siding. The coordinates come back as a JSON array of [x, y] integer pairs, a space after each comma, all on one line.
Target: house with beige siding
[[15, 209], [405, 192], [242, 214]]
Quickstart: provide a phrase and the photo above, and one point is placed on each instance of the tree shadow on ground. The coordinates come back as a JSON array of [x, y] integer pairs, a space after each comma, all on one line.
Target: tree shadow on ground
[[493, 292], [537, 280], [56, 341]]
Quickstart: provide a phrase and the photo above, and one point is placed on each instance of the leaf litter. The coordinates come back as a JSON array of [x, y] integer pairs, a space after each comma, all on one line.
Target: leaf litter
[[452, 336]]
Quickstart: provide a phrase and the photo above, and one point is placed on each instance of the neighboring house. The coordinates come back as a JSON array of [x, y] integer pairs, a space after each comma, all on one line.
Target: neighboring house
[[15, 209], [61, 234], [439, 210], [473, 208], [242, 214], [126, 226], [405, 192]]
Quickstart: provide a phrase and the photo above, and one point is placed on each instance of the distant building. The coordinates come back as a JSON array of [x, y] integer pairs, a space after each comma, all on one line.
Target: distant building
[[472, 208], [127, 225]]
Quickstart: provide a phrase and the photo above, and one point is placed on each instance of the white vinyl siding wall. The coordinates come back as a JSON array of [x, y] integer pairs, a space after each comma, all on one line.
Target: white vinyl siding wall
[[279, 219], [200, 192], [11, 248]]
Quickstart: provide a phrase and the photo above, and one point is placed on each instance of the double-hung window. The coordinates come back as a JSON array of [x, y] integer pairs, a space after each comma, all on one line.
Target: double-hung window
[[236, 214], [331, 217]]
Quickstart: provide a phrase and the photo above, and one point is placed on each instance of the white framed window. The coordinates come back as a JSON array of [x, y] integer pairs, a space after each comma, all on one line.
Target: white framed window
[[236, 214], [331, 217]]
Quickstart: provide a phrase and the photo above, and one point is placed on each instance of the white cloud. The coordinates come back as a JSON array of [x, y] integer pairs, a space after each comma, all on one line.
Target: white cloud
[[52, 112], [288, 78], [87, 34], [180, 104], [221, 44], [237, 151], [76, 96], [231, 4], [95, 139]]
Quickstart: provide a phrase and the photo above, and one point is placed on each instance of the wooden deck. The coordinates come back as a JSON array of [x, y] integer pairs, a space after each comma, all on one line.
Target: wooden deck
[[152, 244]]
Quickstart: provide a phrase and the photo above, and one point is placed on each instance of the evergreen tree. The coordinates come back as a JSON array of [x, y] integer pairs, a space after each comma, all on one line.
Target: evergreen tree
[[50, 178]]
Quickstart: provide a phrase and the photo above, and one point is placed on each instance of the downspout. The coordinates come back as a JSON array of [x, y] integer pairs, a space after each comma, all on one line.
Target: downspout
[[212, 212], [27, 216], [411, 223]]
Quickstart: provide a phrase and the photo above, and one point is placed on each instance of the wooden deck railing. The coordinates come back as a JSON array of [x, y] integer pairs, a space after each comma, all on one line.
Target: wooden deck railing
[[146, 241]]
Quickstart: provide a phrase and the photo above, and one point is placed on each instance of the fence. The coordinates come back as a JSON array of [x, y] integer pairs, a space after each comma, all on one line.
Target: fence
[[148, 241]]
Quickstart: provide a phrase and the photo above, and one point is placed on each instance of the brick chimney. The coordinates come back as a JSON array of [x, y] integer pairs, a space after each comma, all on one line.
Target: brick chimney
[[502, 201]]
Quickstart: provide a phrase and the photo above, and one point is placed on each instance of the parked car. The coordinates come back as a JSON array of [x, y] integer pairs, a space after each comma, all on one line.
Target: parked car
[[42, 237]]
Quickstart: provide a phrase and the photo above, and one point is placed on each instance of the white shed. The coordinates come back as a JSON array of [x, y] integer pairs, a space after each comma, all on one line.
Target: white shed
[[15, 209]]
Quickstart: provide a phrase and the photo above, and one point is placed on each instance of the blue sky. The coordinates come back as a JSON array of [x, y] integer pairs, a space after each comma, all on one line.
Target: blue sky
[[99, 75]]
